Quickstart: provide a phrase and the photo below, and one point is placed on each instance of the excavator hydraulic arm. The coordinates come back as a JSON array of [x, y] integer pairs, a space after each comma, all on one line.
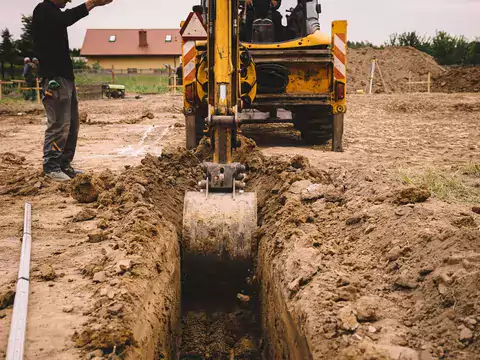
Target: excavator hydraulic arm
[[219, 221]]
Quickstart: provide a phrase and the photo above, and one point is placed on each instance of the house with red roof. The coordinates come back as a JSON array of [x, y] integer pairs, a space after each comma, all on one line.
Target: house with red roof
[[133, 48]]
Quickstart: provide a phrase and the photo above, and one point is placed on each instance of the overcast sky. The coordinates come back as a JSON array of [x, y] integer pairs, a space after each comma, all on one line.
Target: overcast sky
[[371, 20]]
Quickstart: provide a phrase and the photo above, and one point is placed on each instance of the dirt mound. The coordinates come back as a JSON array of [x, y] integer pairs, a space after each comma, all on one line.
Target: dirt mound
[[371, 278], [139, 219], [20, 108], [86, 188], [458, 80], [395, 64], [11, 158], [348, 269], [26, 181]]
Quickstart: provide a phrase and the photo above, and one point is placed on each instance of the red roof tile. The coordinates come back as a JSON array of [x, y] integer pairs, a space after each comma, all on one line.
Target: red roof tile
[[97, 42]]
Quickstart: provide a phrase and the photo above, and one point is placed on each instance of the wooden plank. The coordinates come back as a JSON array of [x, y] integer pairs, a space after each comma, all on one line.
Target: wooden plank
[[38, 91]]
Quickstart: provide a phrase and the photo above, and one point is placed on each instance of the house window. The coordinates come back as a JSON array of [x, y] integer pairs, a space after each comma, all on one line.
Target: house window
[[113, 38], [168, 38]]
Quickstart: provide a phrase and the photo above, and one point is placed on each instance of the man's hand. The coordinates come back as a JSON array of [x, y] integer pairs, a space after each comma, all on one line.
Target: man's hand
[[94, 3]]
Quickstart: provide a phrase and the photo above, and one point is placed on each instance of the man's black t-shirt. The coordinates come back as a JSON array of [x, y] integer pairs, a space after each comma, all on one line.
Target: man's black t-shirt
[[51, 38]]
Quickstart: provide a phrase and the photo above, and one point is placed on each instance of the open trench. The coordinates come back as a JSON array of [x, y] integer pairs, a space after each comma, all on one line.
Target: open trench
[[229, 313], [167, 312], [214, 315]]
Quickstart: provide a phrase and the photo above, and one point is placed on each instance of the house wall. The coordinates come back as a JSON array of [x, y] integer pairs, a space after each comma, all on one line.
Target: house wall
[[134, 62]]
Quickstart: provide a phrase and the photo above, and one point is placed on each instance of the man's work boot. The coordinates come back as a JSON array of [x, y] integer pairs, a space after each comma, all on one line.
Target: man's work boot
[[58, 176], [70, 171]]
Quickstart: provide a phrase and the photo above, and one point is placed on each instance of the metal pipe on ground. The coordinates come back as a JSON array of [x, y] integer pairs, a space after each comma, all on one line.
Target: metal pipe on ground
[[16, 340]]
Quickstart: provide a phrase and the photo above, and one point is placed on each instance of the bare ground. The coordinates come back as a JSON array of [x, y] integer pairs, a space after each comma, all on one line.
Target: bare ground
[[351, 264]]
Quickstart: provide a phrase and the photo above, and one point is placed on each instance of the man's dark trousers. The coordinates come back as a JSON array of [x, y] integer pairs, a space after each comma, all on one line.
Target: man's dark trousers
[[63, 124]]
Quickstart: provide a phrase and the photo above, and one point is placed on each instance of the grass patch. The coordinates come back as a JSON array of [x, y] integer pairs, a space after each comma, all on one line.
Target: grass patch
[[451, 185], [156, 84], [12, 101], [472, 170]]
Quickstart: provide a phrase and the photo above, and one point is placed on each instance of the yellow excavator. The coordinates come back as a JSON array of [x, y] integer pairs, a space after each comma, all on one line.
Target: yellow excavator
[[238, 55]]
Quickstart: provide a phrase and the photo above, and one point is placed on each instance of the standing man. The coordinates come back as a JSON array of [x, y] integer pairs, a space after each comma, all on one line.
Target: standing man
[[29, 76], [61, 105]]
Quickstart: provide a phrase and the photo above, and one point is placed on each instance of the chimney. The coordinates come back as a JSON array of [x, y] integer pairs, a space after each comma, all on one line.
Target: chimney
[[142, 38]]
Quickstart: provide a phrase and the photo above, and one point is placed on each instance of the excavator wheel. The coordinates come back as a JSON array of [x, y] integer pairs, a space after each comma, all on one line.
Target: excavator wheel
[[315, 125], [318, 126]]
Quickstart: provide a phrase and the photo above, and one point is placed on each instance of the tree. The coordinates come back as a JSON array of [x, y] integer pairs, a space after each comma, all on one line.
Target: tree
[[8, 53], [473, 53], [361, 44], [448, 49], [413, 39], [25, 43]]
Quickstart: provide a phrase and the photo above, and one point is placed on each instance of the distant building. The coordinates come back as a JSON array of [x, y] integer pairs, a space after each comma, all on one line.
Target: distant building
[[133, 49]]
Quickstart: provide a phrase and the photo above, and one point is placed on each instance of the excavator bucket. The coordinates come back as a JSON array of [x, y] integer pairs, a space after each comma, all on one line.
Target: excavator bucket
[[219, 227]]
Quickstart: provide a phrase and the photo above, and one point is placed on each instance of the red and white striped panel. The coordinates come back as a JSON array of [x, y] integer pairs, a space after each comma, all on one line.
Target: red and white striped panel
[[340, 56], [189, 61]]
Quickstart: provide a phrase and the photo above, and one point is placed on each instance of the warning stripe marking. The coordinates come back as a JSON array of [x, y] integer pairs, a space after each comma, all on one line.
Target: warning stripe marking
[[340, 43], [189, 60], [340, 56]]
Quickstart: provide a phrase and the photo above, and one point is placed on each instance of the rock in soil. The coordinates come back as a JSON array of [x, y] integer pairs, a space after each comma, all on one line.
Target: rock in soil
[[123, 266], [299, 162], [115, 309], [348, 320], [99, 277], [466, 335], [7, 299], [394, 253], [47, 272], [476, 209], [86, 188], [366, 308], [97, 236], [68, 309], [412, 195], [404, 282], [85, 215]]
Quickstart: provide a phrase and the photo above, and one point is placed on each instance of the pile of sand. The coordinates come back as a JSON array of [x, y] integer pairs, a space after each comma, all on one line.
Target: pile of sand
[[395, 64]]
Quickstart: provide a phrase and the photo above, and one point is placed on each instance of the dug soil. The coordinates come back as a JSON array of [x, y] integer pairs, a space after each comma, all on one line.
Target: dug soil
[[373, 253], [454, 80]]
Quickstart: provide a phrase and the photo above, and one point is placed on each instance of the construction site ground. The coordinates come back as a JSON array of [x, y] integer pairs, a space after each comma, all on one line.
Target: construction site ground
[[373, 253]]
